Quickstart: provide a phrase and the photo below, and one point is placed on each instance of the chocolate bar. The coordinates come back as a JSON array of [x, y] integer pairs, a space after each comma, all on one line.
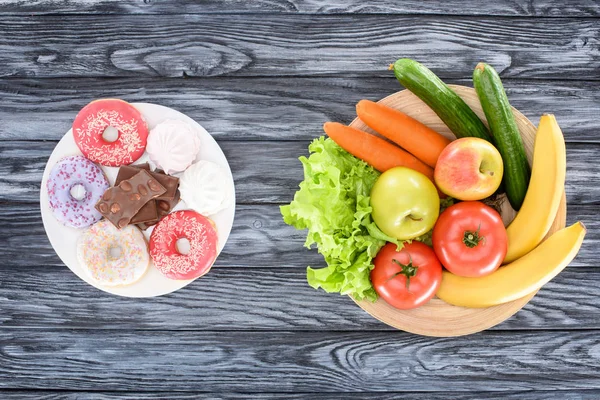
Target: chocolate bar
[[151, 213], [164, 208], [148, 212], [171, 183], [122, 202]]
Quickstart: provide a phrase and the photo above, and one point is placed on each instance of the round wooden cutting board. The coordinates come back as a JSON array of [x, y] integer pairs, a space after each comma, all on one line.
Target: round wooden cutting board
[[438, 318]]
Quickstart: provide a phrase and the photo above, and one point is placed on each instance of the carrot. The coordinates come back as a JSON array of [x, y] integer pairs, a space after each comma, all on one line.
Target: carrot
[[418, 139], [375, 151]]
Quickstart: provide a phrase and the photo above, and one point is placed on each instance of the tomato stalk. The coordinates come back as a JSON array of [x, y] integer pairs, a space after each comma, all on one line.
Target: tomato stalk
[[408, 270], [472, 239]]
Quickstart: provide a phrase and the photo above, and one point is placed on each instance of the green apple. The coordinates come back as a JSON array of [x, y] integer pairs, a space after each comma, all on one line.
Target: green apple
[[469, 169], [405, 203]]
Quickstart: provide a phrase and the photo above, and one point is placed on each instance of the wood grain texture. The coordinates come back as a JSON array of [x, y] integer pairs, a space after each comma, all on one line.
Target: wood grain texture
[[546, 8], [264, 108], [297, 361], [62, 339], [270, 179], [577, 394], [294, 45], [273, 299], [259, 238]]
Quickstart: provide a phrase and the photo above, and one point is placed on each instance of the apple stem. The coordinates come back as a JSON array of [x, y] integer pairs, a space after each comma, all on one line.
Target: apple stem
[[408, 270], [472, 239]]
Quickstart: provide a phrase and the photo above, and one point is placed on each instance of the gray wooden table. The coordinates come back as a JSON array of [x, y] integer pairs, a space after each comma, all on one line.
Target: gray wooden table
[[262, 76]]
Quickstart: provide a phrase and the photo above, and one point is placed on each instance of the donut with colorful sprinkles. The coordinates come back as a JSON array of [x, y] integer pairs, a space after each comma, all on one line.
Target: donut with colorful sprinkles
[[74, 186], [111, 256], [202, 236], [93, 120]]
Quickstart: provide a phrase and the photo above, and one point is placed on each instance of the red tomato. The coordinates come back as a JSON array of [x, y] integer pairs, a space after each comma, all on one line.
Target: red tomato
[[407, 278], [469, 239]]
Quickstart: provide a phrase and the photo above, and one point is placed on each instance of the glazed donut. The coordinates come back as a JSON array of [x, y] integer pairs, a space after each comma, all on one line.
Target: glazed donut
[[75, 172], [93, 119], [96, 250], [201, 234]]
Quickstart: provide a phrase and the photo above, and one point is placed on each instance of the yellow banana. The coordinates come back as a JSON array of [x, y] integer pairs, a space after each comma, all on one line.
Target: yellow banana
[[545, 191], [518, 279]]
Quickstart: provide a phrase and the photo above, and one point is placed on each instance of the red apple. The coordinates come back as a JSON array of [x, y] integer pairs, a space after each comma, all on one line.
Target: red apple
[[469, 169]]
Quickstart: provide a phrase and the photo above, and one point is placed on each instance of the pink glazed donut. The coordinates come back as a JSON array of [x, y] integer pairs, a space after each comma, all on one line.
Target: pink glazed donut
[[68, 173], [93, 119], [201, 234]]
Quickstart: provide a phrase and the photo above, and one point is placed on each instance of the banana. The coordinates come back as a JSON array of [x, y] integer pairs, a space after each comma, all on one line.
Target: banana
[[518, 279], [545, 191]]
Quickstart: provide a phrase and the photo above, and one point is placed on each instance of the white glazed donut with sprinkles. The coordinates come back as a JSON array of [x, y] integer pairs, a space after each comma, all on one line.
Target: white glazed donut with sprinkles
[[92, 121], [113, 257], [202, 236]]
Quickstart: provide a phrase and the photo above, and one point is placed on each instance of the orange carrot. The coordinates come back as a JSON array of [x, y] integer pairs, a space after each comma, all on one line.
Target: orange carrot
[[374, 151], [418, 139]]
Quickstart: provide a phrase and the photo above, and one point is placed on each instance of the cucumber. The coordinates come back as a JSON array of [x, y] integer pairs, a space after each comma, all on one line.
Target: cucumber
[[505, 132], [451, 109]]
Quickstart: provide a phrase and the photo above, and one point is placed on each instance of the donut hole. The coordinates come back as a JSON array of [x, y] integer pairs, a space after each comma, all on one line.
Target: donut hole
[[115, 252], [110, 134], [183, 246], [78, 191]]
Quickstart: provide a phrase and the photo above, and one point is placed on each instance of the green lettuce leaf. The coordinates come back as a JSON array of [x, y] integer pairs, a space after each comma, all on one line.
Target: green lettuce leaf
[[333, 203]]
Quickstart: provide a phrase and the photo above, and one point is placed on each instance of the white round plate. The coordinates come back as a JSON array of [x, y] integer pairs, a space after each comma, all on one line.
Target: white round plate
[[64, 239]]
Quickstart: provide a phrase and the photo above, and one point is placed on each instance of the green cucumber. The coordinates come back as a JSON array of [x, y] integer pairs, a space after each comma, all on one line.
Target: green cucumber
[[451, 109], [505, 132]]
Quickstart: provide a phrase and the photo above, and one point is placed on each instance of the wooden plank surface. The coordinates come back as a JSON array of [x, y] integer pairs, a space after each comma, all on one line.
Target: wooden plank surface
[[268, 299], [265, 108], [23, 164], [577, 394], [545, 8], [262, 76], [294, 45], [282, 361], [259, 238]]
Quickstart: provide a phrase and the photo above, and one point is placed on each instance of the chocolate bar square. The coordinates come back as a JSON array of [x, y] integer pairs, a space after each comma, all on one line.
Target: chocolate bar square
[[121, 203], [171, 183], [149, 212]]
